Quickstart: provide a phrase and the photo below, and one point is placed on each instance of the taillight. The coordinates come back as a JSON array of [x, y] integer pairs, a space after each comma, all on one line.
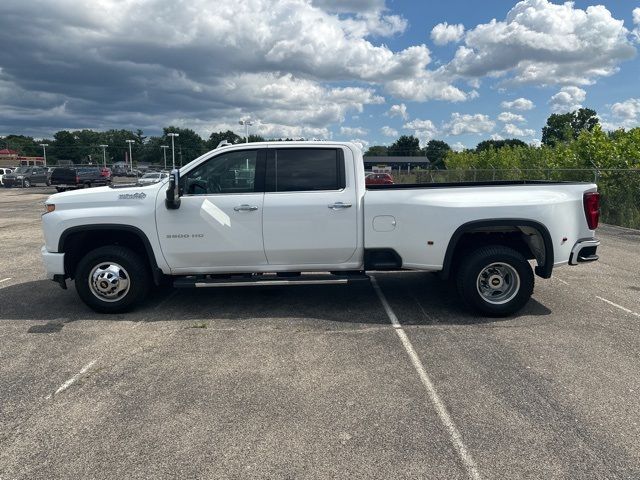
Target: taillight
[[592, 209], [77, 179]]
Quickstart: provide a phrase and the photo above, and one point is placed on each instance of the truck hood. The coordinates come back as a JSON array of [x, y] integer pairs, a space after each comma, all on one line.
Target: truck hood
[[99, 196]]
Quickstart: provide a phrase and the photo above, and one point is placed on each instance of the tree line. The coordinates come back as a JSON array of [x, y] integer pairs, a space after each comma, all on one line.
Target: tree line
[[83, 146]]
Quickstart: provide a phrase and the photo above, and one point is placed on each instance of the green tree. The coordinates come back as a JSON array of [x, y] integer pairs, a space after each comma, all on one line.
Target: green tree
[[216, 137], [406, 145], [436, 151], [497, 144], [376, 151], [188, 145], [562, 128]]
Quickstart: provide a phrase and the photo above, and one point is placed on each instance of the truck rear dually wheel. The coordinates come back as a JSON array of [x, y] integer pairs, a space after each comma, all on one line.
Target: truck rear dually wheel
[[495, 281], [112, 279]]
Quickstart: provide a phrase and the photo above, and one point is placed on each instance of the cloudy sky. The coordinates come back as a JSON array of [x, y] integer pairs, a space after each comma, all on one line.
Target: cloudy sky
[[366, 70]]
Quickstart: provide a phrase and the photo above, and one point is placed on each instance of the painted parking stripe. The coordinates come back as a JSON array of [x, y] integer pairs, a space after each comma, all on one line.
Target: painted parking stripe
[[72, 380], [631, 312], [5, 279], [441, 409]]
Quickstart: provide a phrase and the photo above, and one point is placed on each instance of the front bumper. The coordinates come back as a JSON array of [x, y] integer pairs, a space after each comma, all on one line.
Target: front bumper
[[584, 251], [11, 182], [53, 263]]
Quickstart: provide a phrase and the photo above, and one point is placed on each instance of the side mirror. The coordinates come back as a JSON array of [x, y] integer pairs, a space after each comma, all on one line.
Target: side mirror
[[173, 191]]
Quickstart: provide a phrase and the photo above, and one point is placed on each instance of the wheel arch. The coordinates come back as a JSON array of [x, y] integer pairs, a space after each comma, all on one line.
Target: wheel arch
[[76, 241], [544, 258]]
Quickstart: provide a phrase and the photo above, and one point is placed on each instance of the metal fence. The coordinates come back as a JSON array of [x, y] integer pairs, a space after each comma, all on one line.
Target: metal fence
[[620, 188]]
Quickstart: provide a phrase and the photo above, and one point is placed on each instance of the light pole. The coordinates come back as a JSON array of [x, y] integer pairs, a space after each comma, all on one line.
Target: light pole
[[247, 123], [173, 149], [104, 155], [130, 155], [44, 152], [164, 152]]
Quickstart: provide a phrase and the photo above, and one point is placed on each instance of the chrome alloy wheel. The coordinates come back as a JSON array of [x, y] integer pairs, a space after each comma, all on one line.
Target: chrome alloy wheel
[[109, 282], [498, 283]]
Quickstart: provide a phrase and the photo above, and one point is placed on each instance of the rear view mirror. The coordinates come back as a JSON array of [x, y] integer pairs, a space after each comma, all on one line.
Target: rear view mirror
[[173, 191]]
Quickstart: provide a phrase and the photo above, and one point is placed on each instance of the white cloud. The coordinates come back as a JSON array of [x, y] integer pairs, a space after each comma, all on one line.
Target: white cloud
[[636, 16], [508, 117], [544, 43], [461, 124], [521, 104], [424, 130], [515, 131], [444, 33], [428, 86], [628, 109], [626, 115], [363, 144], [353, 131], [388, 131], [568, 99], [458, 147], [496, 136], [398, 111]]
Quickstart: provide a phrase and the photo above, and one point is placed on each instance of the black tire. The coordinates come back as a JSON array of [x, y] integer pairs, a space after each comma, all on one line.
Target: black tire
[[87, 185], [135, 268], [498, 265], [26, 183], [61, 189]]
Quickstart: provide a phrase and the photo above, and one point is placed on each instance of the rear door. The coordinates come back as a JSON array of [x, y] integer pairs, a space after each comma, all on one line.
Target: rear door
[[310, 207]]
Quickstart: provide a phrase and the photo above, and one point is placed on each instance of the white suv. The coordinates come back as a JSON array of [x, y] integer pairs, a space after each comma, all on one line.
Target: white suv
[[4, 171]]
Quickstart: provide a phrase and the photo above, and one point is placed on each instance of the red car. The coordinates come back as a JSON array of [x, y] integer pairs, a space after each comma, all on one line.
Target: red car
[[378, 179], [105, 172]]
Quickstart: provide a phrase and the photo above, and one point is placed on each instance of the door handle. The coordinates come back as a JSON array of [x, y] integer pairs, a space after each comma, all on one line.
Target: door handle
[[245, 208], [339, 206]]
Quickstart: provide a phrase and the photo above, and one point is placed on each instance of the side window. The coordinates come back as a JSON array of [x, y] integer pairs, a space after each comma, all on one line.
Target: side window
[[305, 169], [233, 172]]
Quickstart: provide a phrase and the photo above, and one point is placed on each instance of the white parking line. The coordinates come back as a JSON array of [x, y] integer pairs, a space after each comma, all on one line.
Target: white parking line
[[72, 380], [5, 279], [441, 409], [561, 280], [619, 306]]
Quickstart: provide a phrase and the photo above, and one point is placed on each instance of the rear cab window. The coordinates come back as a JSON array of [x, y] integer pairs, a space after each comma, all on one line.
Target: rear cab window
[[305, 170]]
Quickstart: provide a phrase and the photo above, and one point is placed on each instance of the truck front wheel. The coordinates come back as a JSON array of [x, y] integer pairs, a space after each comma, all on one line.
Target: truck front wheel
[[495, 281], [112, 279]]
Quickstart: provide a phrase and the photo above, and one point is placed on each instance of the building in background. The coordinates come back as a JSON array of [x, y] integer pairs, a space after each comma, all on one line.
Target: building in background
[[12, 158], [395, 164]]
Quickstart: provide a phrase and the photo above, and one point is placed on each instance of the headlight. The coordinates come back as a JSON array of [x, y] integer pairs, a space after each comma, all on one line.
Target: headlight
[[20, 177], [48, 208]]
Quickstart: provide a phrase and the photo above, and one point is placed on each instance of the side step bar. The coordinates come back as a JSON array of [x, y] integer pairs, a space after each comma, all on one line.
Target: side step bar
[[266, 280]]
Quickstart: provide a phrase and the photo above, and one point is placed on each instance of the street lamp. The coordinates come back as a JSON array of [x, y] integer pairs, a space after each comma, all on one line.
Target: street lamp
[[104, 155], [164, 152], [130, 154], [247, 123], [44, 152], [173, 149]]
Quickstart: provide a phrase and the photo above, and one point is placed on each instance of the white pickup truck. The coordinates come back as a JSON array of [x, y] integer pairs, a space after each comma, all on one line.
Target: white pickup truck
[[283, 213]]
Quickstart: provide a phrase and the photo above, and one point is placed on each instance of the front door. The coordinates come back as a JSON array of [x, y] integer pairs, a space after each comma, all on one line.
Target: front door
[[310, 207], [219, 222]]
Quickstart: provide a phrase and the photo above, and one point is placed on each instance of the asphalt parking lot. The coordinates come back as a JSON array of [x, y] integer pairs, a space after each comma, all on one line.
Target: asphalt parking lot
[[318, 381]]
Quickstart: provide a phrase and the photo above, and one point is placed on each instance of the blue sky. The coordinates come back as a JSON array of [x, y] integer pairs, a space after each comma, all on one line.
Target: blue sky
[[366, 70]]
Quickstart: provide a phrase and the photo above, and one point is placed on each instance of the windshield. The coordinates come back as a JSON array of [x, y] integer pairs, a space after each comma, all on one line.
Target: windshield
[[151, 175], [23, 169]]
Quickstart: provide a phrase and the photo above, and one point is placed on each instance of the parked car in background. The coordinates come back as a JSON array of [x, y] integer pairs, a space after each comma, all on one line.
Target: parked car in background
[[378, 179], [25, 176], [106, 172], [81, 177], [3, 172], [152, 177]]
